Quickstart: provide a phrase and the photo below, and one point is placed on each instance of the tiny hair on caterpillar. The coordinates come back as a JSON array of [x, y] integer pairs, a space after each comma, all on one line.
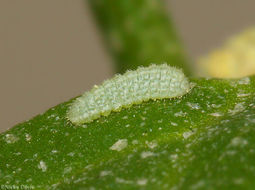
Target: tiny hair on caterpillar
[[133, 87]]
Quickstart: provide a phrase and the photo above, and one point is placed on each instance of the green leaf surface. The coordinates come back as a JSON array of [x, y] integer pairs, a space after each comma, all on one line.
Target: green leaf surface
[[138, 33], [203, 140]]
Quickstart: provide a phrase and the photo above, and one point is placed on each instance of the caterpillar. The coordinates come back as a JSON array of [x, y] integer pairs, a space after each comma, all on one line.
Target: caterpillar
[[122, 91]]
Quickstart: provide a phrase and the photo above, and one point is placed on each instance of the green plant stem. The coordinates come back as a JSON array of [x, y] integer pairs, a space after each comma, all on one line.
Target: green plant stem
[[139, 33], [203, 140]]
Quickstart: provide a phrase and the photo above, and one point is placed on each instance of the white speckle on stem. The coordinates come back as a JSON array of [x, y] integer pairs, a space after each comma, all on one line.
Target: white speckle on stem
[[28, 137], [195, 106], [238, 108], [238, 141], [240, 95], [142, 181], [42, 166], [147, 154], [105, 173], [119, 145], [11, 138], [216, 114], [153, 144], [180, 114], [245, 81], [187, 134]]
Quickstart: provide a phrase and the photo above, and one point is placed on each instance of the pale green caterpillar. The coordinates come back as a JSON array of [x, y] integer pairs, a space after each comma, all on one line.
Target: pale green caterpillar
[[133, 87]]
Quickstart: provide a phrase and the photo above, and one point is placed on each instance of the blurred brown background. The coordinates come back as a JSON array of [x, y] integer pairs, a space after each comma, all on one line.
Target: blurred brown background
[[51, 50]]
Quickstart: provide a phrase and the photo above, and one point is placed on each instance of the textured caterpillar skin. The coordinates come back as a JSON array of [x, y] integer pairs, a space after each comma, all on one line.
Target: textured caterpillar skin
[[133, 87]]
